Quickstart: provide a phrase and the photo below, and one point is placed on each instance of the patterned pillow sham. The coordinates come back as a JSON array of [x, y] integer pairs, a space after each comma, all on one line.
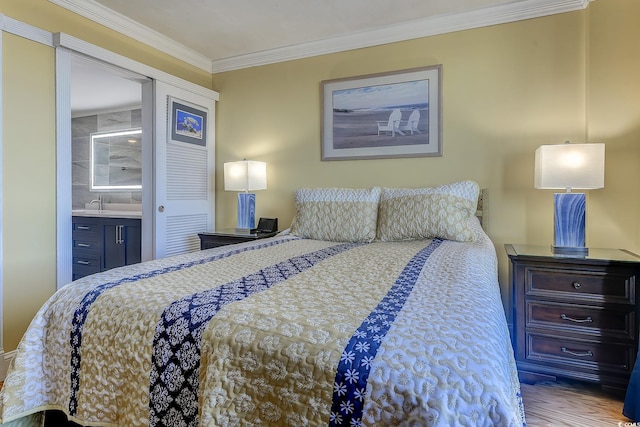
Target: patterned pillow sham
[[417, 213], [336, 214]]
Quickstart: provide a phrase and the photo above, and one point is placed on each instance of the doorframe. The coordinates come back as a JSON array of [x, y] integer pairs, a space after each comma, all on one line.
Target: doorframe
[[64, 259], [65, 45], [2, 367]]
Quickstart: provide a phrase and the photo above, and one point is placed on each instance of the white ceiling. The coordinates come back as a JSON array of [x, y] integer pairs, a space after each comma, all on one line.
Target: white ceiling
[[223, 35], [221, 29]]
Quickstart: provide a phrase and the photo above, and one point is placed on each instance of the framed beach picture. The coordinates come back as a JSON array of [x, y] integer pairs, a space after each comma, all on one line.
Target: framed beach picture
[[396, 114], [188, 123]]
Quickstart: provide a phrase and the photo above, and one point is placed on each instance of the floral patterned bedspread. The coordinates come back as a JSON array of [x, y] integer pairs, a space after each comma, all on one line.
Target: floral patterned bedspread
[[281, 331]]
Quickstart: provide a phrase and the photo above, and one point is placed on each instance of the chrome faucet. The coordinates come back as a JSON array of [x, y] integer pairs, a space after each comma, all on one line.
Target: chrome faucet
[[99, 201]]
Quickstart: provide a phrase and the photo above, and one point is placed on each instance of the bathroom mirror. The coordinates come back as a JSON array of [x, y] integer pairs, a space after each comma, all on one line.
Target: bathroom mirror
[[116, 160]]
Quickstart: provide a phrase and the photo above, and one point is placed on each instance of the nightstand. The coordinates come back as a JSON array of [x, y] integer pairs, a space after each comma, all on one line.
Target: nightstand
[[229, 236], [574, 317]]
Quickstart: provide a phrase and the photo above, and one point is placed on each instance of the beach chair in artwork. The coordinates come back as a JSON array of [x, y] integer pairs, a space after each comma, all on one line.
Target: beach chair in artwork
[[393, 125], [411, 125]]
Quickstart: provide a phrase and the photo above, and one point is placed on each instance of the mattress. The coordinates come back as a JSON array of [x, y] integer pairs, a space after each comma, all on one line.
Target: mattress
[[280, 331]]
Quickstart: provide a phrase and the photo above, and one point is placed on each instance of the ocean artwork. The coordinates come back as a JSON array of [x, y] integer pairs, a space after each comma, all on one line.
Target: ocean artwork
[[387, 115], [188, 124], [381, 115]]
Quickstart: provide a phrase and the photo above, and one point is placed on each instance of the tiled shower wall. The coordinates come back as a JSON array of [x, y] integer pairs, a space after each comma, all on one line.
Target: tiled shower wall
[[81, 130]]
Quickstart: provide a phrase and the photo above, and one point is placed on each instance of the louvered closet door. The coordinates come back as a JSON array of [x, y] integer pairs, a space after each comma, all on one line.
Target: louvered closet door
[[184, 169]]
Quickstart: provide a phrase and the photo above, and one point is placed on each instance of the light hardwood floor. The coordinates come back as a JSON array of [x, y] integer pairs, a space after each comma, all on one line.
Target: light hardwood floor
[[569, 404], [573, 404]]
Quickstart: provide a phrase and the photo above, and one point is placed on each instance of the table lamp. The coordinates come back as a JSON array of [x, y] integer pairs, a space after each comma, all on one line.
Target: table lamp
[[245, 176], [570, 167]]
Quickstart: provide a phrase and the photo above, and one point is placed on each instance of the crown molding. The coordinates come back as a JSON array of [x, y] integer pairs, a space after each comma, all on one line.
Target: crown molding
[[511, 12], [127, 26], [526, 9]]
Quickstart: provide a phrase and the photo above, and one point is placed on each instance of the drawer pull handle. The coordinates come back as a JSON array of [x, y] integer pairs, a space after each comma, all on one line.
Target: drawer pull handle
[[576, 285], [83, 262], [83, 245], [587, 353], [588, 319], [83, 227]]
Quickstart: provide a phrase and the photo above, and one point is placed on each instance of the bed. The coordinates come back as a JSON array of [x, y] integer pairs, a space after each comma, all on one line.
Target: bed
[[378, 307]]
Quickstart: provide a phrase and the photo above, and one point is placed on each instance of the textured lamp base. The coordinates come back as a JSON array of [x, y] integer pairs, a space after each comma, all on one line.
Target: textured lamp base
[[569, 251], [569, 224], [246, 210]]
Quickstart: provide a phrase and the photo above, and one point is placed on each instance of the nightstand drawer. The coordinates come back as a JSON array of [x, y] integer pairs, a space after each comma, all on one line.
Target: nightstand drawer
[[208, 242], [226, 237], [575, 317], [582, 319], [581, 285], [584, 354]]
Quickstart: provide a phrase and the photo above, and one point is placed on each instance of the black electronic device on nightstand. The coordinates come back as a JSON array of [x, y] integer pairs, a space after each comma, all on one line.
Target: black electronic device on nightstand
[[266, 225]]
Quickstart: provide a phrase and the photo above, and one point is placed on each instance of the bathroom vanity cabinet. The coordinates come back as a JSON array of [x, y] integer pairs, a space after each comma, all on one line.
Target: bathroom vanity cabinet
[[102, 243]]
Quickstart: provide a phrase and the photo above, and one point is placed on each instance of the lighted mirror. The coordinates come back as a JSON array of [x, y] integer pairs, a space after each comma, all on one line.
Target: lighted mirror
[[116, 160]]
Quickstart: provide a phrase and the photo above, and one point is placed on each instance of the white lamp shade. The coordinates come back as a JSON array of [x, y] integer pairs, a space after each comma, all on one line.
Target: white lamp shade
[[245, 175], [570, 166]]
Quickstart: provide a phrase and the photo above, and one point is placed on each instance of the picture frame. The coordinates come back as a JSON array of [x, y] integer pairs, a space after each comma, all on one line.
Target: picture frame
[[188, 123], [388, 115]]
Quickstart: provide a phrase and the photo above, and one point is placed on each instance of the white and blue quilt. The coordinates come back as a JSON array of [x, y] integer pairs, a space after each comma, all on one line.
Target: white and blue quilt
[[278, 332]]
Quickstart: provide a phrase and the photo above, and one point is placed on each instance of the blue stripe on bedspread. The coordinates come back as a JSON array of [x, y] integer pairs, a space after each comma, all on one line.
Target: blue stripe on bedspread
[[82, 311], [353, 370], [175, 372]]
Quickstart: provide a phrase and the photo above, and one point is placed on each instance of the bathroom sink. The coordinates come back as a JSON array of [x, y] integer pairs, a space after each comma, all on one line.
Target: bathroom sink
[[107, 213]]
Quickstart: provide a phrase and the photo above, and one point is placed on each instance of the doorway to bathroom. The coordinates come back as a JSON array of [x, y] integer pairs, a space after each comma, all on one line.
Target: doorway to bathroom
[[178, 189], [106, 130], [106, 166]]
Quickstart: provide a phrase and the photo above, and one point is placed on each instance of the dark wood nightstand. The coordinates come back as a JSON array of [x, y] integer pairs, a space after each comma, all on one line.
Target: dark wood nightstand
[[575, 317], [229, 236]]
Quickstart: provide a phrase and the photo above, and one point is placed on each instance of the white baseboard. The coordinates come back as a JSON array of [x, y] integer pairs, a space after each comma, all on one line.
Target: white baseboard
[[5, 360]]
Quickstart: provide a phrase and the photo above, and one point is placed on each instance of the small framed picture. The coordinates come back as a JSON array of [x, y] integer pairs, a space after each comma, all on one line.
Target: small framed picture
[[388, 115], [188, 123]]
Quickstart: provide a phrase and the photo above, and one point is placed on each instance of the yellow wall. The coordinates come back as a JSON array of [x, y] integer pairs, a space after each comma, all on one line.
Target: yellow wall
[[28, 176], [613, 117], [506, 90], [28, 144]]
